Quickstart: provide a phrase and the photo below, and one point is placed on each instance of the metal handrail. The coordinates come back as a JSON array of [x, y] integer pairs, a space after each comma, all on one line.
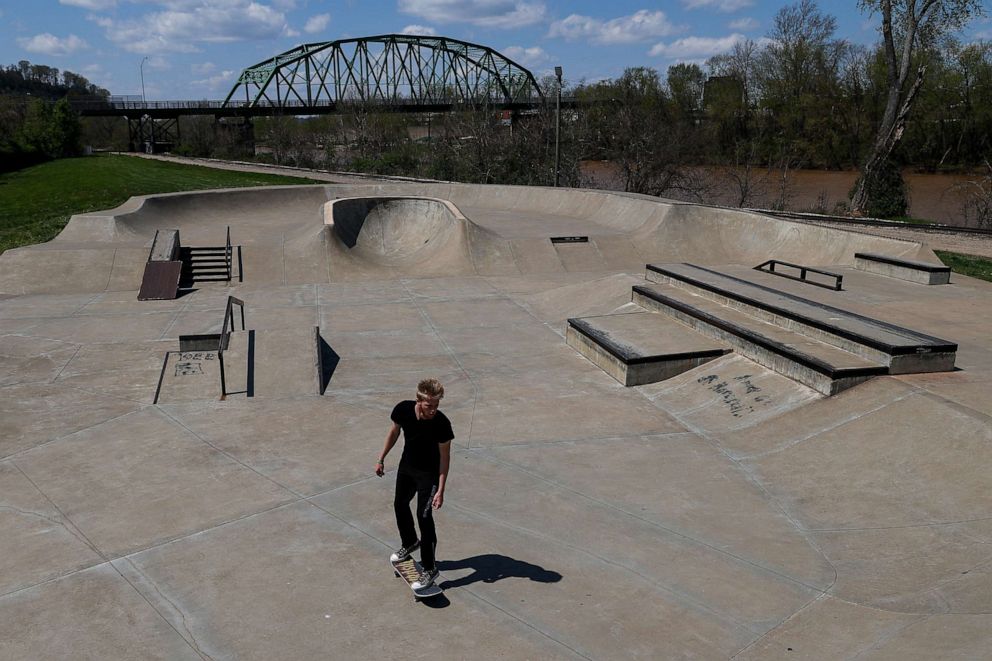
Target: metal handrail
[[225, 336], [803, 271], [228, 256]]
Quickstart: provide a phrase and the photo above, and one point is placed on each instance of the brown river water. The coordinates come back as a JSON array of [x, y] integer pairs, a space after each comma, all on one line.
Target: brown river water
[[936, 197]]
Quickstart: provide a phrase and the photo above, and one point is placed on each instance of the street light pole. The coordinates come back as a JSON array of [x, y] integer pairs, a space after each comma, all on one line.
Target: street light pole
[[141, 68], [558, 128]]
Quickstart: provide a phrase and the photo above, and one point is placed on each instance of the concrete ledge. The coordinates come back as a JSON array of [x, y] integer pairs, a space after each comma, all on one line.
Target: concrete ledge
[[785, 359], [901, 349], [616, 349], [904, 269], [165, 246]]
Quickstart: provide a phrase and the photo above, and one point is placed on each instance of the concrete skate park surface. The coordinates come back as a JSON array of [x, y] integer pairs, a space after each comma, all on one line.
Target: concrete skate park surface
[[583, 519]]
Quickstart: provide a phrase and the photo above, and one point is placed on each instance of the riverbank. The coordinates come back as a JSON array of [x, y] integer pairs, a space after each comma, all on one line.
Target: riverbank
[[940, 198]]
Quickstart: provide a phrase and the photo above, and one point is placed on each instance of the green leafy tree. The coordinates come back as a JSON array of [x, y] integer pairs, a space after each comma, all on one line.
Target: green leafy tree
[[908, 26]]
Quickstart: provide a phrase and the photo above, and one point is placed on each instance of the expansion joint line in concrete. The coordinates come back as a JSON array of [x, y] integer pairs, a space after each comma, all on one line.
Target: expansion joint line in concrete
[[225, 453], [454, 357], [613, 438], [118, 398], [830, 427], [753, 479], [815, 600], [190, 638], [179, 313], [660, 585], [483, 454], [74, 530], [65, 521], [85, 305], [909, 526], [79, 347], [961, 408], [473, 593], [17, 454]]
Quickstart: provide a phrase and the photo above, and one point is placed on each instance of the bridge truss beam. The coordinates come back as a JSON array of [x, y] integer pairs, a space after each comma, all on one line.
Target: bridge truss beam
[[389, 70]]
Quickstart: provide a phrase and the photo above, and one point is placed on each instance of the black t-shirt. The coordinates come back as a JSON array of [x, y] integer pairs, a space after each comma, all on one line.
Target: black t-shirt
[[421, 437]]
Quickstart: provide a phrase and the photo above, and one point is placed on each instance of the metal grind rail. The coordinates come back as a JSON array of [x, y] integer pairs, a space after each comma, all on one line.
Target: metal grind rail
[[804, 271], [225, 333], [229, 258]]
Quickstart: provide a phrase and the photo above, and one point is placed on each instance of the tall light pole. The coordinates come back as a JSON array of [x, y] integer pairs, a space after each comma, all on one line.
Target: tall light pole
[[558, 128], [141, 68]]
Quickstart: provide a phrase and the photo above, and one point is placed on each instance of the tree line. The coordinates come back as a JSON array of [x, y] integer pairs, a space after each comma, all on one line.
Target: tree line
[[36, 120], [799, 98]]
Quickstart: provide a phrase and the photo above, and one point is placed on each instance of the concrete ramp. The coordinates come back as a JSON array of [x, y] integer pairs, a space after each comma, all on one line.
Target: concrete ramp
[[398, 234], [727, 394]]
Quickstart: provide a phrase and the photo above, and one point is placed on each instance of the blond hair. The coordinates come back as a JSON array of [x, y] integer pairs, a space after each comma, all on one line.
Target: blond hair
[[429, 389]]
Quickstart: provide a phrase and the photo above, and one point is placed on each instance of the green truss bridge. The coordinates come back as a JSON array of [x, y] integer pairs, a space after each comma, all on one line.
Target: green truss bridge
[[393, 73]]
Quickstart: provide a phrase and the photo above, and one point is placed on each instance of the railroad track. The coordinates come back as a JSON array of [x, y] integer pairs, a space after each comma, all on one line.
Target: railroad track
[[875, 222]]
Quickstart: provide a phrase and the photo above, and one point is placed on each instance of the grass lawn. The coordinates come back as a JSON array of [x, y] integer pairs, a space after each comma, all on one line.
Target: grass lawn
[[976, 267], [36, 203]]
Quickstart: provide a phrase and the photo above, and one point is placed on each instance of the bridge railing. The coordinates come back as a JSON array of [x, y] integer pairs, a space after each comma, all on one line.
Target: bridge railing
[[84, 105]]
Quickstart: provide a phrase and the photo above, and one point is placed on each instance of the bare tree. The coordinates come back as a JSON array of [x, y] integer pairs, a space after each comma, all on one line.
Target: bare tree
[[907, 27]]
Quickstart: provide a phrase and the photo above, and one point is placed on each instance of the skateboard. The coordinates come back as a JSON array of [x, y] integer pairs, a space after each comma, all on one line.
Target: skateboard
[[409, 570]]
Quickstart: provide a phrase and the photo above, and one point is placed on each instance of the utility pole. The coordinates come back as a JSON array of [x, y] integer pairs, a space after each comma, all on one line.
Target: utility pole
[[141, 68], [558, 128]]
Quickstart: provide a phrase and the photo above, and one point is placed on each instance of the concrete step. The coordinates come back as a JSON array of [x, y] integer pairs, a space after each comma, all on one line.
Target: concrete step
[[640, 347], [900, 349], [816, 364]]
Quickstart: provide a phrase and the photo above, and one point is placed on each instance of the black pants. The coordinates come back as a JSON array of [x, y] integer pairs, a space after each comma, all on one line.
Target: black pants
[[409, 482]]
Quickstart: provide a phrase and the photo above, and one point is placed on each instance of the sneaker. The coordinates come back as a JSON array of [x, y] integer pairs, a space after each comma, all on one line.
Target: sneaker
[[426, 579], [403, 553]]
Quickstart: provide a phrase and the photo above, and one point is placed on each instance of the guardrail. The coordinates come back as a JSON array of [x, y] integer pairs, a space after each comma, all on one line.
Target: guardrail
[[804, 271]]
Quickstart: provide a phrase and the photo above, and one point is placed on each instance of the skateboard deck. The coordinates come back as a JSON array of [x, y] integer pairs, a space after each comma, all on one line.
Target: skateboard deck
[[409, 570]]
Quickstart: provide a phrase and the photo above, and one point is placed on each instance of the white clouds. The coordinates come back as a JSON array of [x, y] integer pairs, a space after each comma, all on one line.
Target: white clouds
[[720, 5], [95, 5], [488, 13], [49, 44], [640, 26], [190, 22], [744, 24], [421, 30], [317, 23], [530, 58], [695, 48], [222, 81]]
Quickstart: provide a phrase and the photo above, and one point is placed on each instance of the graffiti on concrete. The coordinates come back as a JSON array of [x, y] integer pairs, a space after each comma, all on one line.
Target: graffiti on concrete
[[739, 394]]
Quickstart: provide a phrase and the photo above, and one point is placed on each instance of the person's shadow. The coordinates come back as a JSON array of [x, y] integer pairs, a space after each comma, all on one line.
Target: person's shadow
[[492, 567]]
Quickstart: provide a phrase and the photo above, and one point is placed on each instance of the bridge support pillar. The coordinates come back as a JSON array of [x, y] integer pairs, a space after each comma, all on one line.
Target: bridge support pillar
[[237, 134], [152, 135]]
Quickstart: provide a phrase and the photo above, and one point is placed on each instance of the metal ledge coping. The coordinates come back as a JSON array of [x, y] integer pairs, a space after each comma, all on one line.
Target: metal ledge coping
[[620, 352], [899, 261], [760, 340], [925, 343]]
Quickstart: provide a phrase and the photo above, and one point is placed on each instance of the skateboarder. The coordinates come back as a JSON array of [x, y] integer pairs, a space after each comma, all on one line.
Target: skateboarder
[[423, 470]]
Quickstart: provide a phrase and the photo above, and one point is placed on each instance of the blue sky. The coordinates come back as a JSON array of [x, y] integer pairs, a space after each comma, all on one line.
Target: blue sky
[[196, 48]]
